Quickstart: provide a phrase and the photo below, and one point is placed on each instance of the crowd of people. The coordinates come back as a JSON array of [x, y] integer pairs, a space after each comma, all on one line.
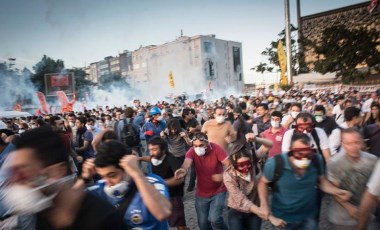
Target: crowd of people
[[249, 158]]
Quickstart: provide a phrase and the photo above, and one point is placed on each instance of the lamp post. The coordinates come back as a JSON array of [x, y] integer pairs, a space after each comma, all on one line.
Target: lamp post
[[288, 43]]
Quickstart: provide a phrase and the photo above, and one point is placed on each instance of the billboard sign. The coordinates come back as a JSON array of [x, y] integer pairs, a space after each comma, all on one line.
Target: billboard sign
[[59, 82]]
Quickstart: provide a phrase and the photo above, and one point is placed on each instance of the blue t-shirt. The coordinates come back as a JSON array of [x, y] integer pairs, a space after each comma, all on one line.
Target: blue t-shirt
[[295, 196], [137, 215]]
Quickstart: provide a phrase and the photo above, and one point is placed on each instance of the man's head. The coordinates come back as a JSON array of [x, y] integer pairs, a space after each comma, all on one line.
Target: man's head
[[200, 143], [187, 114], [155, 114], [300, 150], [262, 110], [157, 147], [129, 113], [295, 109], [275, 119], [40, 157], [219, 114], [56, 123], [352, 115], [352, 142], [80, 122], [319, 113], [107, 161], [90, 125], [118, 114], [304, 123]]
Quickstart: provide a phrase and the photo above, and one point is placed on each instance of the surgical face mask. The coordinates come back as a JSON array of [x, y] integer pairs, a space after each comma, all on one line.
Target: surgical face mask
[[200, 151], [72, 124], [275, 124], [24, 200], [107, 123], [220, 119], [159, 118], [21, 131], [156, 161], [89, 127], [319, 118], [117, 190], [276, 103], [294, 114], [302, 164]]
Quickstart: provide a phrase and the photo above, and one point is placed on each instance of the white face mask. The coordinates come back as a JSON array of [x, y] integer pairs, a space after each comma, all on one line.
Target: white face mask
[[319, 118], [117, 190], [89, 127], [246, 177], [159, 118], [24, 200], [219, 119], [294, 114], [107, 123], [156, 161], [21, 131], [302, 164], [72, 124], [276, 103], [275, 124], [200, 151]]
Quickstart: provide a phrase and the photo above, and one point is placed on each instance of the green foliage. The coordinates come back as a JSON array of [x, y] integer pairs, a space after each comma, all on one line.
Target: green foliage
[[342, 51], [272, 55], [46, 65], [82, 85]]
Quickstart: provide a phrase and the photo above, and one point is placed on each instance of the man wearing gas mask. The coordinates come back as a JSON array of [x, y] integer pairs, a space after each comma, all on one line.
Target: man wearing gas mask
[[142, 199], [293, 177], [305, 123], [39, 184]]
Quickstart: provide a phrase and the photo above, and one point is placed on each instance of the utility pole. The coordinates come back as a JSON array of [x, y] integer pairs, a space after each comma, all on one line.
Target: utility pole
[[288, 44], [300, 47]]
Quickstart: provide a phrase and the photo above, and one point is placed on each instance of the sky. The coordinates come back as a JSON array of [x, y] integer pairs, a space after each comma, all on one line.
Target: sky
[[80, 32]]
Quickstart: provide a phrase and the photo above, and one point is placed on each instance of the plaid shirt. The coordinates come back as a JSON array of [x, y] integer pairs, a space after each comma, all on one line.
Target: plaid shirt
[[261, 126]]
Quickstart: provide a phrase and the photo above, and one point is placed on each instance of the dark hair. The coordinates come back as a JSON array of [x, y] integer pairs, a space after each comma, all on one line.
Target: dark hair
[[276, 114], [82, 120], [47, 145], [185, 112], [110, 153], [129, 112], [352, 130], [200, 135], [304, 116], [297, 136], [173, 123], [264, 105], [350, 113], [238, 151], [219, 107], [320, 108], [297, 105], [109, 135], [243, 105], [91, 120], [160, 142], [53, 119]]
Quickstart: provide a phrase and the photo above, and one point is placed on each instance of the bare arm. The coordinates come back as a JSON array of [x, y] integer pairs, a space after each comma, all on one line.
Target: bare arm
[[181, 172], [156, 203], [327, 187], [172, 182], [262, 189], [326, 154], [367, 206]]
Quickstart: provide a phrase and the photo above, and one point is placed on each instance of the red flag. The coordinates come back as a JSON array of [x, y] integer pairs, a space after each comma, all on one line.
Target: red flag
[[373, 5], [42, 99]]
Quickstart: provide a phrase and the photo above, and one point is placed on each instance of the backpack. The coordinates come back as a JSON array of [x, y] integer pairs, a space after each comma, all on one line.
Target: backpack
[[129, 135], [279, 164]]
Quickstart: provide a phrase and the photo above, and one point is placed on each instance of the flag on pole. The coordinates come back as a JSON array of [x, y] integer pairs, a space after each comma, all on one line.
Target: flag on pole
[[282, 60], [373, 5], [171, 80]]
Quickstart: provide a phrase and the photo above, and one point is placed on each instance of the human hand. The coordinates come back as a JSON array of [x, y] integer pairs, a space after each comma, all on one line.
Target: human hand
[[251, 137], [162, 134], [88, 168], [182, 134], [79, 159], [343, 195], [277, 222], [130, 164], [180, 173]]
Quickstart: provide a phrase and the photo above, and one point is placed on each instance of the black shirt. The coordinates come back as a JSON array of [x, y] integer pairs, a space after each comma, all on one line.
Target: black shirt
[[166, 170], [187, 125], [328, 124], [94, 213]]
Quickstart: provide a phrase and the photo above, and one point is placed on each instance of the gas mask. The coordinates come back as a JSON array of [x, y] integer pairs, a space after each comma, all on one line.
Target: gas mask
[[24, 200], [117, 190]]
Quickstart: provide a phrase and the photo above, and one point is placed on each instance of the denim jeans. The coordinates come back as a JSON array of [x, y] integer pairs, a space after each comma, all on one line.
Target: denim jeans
[[307, 224], [240, 220], [210, 212]]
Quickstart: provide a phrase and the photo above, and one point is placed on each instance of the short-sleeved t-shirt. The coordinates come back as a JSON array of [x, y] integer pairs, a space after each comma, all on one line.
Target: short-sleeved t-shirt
[[373, 184], [276, 138], [166, 170], [295, 197], [137, 215], [89, 152], [205, 167], [323, 139], [351, 176]]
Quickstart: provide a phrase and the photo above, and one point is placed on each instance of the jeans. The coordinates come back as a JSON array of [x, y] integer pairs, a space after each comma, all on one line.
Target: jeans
[[240, 220], [210, 212], [307, 224]]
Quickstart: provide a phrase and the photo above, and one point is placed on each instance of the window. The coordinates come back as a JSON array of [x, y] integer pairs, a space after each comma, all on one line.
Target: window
[[207, 47]]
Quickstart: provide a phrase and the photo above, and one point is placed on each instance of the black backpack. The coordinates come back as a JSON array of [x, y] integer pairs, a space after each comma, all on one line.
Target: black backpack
[[129, 135]]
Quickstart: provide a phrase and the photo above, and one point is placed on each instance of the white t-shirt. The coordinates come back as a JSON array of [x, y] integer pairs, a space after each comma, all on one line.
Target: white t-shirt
[[323, 140], [366, 107], [339, 116], [373, 184]]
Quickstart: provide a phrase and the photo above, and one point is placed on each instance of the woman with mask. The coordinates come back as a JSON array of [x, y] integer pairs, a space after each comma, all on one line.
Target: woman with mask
[[243, 201], [142, 198]]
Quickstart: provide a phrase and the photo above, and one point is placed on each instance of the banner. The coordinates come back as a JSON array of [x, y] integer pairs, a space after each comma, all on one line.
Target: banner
[[66, 105], [42, 99], [282, 61], [171, 80]]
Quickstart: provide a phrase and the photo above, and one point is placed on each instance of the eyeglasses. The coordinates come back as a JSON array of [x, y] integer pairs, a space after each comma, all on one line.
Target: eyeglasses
[[199, 138]]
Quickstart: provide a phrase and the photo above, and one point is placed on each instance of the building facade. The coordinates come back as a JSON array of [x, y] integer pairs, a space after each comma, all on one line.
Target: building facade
[[198, 64]]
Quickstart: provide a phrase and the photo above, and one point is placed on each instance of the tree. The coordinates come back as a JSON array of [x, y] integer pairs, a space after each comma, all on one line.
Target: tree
[[46, 65], [342, 51], [271, 53], [82, 85]]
